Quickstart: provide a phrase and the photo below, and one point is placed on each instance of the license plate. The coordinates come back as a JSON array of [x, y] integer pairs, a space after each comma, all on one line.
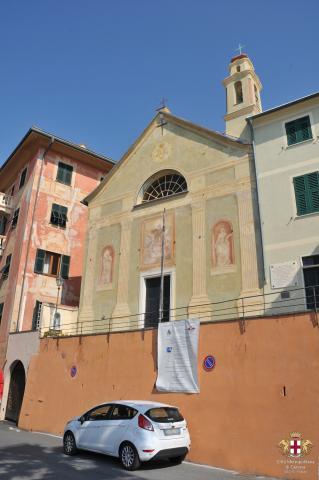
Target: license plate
[[172, 431]]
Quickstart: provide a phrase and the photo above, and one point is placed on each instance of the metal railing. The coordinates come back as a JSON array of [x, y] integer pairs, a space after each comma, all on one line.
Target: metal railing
[[241, 309]]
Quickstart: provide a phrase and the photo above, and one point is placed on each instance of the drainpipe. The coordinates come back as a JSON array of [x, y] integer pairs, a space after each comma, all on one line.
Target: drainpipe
[[257, 191], [19, 323]]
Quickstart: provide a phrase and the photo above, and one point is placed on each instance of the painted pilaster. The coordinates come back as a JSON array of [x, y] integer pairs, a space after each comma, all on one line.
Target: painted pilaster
[[253, 305], [249, 265], [121, 308], [87, 312], [199, 296]]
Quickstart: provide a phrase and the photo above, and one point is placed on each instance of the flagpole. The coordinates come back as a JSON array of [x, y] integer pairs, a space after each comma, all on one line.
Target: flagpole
[[161, 306]]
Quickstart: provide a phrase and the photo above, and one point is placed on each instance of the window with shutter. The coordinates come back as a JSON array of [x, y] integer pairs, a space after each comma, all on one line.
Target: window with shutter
[[36, 315], [39, 261], [5, 270], [3, 224], [52, 264], [22, 178], [65, 266], [298, 130], [307, 193], [15, 218], [64, 174], [311, 280], [59, 215]]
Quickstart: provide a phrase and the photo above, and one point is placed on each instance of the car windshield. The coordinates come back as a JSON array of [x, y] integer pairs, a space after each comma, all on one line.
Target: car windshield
[[164, 415]]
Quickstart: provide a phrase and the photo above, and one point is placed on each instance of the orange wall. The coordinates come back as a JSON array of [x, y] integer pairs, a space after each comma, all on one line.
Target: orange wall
[[241, 413]]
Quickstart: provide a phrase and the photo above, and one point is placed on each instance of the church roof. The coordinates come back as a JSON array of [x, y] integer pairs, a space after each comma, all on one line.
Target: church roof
[[238, 57], [284, 105], [164, 113]]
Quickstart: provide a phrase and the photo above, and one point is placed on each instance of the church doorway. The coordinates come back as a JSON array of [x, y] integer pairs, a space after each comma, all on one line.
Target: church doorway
[[16, 392], [152, 300]]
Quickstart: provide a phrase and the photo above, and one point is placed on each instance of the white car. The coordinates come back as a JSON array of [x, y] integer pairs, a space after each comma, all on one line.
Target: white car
[[135, 431]]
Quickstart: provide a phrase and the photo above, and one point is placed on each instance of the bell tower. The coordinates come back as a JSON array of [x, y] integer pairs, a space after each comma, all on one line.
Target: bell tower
[[243, 89]]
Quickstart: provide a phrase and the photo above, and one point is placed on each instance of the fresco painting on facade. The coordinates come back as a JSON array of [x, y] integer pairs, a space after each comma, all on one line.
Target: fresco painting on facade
[[223, 256], [44, 238], [151, 248], [212, 229], [107, 267], [161, 152]]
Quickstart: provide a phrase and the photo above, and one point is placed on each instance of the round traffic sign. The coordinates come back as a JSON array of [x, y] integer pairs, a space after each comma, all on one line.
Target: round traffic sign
[[209, 363]]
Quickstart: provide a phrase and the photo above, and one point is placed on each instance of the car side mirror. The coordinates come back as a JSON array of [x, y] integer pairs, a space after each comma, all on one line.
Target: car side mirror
[[82, 419]]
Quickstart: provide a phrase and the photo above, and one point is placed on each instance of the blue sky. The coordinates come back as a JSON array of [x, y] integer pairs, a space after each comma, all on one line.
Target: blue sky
[[94, 71]]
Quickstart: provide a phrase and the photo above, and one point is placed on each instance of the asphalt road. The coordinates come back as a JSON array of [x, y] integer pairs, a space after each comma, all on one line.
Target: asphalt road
[[36, 456]]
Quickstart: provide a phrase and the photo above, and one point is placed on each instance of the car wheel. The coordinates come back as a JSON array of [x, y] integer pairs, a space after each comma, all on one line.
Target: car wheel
[[178, 460], [69, 444], [129, 457]]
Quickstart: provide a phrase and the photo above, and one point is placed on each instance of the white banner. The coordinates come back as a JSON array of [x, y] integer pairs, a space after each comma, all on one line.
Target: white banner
[[177, 350]]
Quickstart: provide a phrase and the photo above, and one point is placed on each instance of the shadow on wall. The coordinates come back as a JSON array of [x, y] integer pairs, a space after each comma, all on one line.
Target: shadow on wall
[[257, 229], [71, 291]]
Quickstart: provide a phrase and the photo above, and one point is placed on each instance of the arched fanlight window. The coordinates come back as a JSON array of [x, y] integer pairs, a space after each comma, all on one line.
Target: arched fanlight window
[[164, 184], [239, 92]]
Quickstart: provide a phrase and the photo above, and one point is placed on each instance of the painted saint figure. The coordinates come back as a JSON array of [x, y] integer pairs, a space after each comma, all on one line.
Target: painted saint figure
[[151, 251], [107, 266], [222, 248]]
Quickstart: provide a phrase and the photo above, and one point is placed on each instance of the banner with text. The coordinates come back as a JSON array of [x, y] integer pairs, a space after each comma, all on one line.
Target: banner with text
[[177, 350]]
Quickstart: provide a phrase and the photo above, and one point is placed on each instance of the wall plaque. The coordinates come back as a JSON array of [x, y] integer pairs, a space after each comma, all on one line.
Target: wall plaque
[[284, 274]]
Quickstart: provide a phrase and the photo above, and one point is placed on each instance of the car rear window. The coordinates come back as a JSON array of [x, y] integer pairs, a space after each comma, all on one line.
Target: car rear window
[[164, 415]]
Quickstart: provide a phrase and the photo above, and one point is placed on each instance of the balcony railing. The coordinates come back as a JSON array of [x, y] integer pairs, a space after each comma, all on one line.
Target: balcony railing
[[285, 302], [6, 203]]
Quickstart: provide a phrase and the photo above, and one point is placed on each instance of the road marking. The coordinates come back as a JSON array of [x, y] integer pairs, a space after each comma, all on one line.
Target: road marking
[[48, 434], [210, 468]]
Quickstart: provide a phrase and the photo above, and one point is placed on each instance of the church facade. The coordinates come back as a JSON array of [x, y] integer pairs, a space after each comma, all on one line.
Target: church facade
[[198, 186]]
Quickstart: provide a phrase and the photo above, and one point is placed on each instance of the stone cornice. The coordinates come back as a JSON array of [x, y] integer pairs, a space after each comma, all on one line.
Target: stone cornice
[[191, 175], [209, 192], [240, 113]]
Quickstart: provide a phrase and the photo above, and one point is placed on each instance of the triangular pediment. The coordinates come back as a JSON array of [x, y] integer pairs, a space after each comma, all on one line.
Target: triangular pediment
[[168, 142]]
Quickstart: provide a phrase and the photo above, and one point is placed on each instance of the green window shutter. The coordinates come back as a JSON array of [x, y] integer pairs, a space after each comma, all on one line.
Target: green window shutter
[[68, 174], [307, 193], [64, 174], [65, 266], [1, 311], [59, 215], [3, 223], [60, 174], [63, 215], [304, 129], [313, 191], [36, 315], [291, 133], [300, 193], [39, 261], [298, 130]]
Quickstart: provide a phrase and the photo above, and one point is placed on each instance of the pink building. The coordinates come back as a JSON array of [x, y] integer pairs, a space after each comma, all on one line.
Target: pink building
[[42, 230]]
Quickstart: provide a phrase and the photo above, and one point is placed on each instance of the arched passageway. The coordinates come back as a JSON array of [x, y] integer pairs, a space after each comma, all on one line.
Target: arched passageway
[[16, 392]]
